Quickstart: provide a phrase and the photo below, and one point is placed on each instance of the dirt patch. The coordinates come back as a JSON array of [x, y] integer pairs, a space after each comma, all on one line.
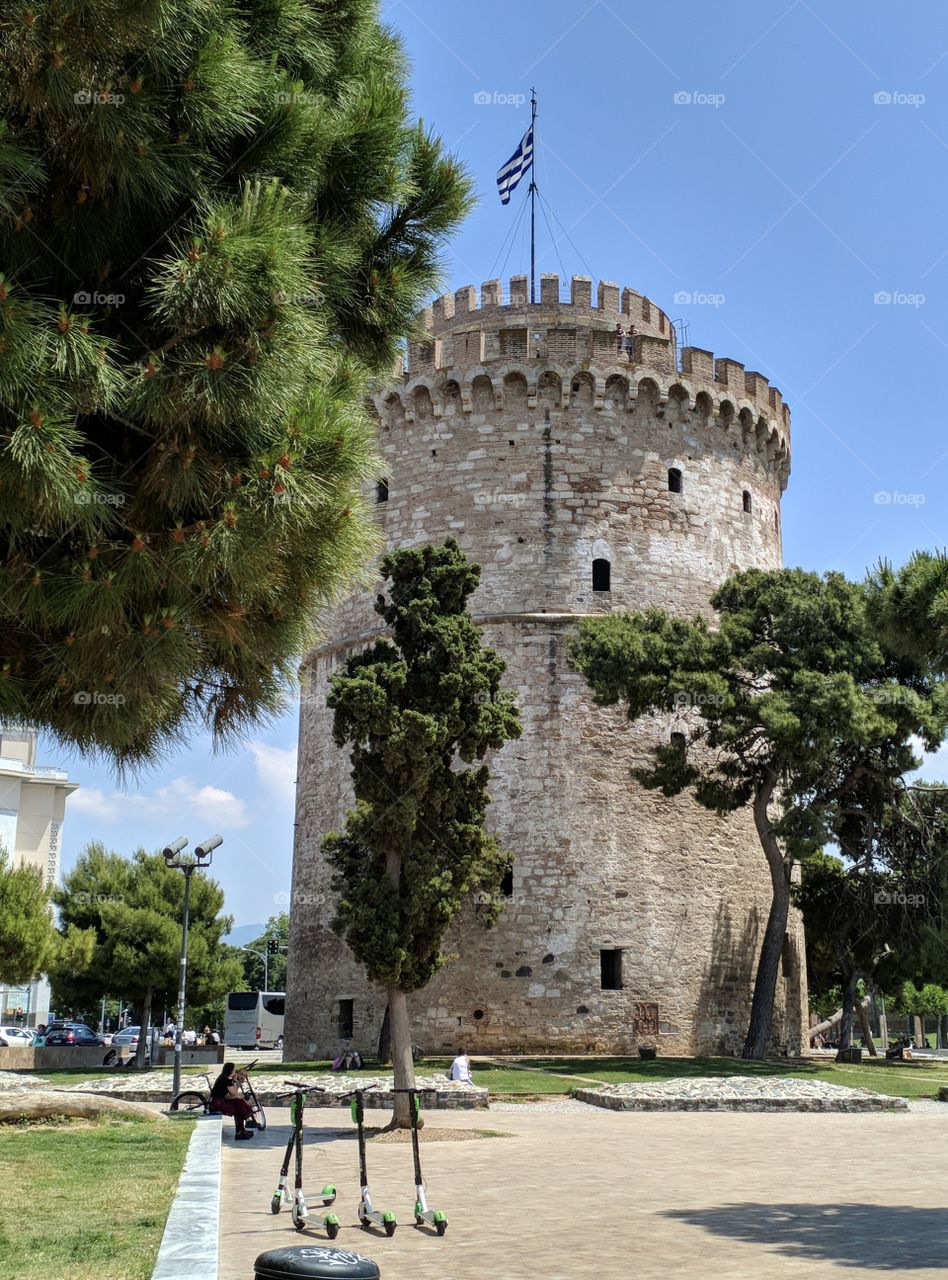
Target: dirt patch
[[430, 1133]]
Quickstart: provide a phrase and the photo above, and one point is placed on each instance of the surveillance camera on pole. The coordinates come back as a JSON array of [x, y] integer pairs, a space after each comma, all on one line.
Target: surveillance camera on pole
[[201, 858], [174, 848], [207, 847]]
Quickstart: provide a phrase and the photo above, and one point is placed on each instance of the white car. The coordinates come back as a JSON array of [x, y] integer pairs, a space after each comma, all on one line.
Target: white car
[[17, 1037], [127, 1038]]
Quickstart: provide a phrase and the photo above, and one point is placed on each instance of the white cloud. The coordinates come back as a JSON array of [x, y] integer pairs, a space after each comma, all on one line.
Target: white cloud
[[276, 769], [181, 798]]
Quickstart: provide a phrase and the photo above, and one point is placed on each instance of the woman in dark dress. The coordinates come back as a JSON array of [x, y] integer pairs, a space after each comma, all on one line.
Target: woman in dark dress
[[226, 1099]]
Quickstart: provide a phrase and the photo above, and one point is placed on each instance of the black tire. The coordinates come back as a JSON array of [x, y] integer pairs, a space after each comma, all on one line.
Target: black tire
[[441, 1227], [299, 1224], [259, 1115], [189, 1101], [276, 1204], [332, 1230], [110, 1059], [390, 1228]]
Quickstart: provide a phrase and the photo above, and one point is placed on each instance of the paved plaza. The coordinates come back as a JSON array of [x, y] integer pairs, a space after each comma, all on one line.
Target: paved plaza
[[577, 1193]]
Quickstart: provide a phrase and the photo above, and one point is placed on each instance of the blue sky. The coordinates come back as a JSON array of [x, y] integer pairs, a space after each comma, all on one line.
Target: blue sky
[[784, 165]]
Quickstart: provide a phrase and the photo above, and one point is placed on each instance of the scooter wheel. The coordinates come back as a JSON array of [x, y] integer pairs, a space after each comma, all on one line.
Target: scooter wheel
[[299, 1223], [276, 1204], [332, 1230], [390, 1228], [442, 1226]]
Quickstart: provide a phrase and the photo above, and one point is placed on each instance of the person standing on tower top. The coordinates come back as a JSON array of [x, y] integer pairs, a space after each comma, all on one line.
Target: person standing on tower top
[[619, 335]]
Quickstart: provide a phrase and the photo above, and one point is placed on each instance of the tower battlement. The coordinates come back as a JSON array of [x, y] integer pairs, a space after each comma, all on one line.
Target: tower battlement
[[575, 333]]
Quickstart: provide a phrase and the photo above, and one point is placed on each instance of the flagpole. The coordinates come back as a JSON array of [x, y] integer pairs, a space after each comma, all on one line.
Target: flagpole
[[533, 198]]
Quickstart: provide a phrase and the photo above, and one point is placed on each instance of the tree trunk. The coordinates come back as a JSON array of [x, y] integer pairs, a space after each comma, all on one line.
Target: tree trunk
[[399, 1023], [919, 1030], [41, 1104], [831, 1022], [866, 1029], [385, 1039], [846, 1022], [143, 1031], [765, 984], [402, 1062]]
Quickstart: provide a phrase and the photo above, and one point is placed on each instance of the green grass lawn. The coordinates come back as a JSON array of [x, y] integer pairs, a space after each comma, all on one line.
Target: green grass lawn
[[86, 1201]]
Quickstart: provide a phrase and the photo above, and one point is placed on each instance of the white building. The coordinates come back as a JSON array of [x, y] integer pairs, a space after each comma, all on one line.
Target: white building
[[32, 808]]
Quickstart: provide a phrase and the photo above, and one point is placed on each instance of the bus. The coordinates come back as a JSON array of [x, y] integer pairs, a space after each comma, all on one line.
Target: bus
[[254, 1019]]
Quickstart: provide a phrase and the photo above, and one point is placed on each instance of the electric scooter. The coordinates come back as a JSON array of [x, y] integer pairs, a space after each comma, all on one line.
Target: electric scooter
[[368, 1216], [300, 1209], [436, 1218]]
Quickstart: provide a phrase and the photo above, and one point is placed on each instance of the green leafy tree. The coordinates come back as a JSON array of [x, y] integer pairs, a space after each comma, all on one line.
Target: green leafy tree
[[792, 701], [217, 221], [130, 909], [27, 936], [272, 943], [928, 1001], [414, 709]]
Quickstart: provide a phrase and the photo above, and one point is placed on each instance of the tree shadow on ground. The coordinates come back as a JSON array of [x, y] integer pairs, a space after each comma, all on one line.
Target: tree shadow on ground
[[877, 1237]]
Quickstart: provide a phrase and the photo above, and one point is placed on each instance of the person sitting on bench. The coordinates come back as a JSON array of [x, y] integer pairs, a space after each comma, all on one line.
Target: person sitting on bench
[[226, 1099]]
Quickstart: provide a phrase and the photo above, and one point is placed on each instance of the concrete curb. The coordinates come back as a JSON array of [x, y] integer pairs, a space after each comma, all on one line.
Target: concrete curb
[[189, 1246]]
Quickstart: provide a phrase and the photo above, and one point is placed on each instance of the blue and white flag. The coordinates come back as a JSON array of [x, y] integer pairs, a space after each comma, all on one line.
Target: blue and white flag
[[510, 174]]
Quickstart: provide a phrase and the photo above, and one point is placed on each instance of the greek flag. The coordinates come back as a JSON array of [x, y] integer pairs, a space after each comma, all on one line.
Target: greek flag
[[510, 174]]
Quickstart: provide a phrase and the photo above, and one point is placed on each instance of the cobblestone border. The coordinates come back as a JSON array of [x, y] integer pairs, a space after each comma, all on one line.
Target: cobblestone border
[[615, 1101], [189, 1246]]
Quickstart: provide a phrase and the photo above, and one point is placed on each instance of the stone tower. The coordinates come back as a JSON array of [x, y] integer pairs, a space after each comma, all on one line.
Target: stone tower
[[583, 479]]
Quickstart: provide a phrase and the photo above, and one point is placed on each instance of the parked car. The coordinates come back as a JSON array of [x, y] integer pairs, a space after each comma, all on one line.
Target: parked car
[[126, 1039], [63, 1033], [17, 1037]]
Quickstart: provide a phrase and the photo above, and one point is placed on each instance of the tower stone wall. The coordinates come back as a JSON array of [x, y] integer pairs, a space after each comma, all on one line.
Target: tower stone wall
[[534, 437]]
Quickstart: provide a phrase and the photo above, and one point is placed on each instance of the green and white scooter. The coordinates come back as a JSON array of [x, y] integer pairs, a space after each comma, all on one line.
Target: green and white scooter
[[368, 1216], [300, 1210], [424, 1216]]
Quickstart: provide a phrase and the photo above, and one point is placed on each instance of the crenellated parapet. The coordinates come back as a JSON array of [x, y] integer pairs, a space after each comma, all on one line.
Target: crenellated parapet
[[713, 393], [499, 327], [465, 329]]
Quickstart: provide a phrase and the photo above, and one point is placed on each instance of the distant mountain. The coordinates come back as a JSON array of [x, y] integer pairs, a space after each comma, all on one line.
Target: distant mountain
[[243, 934]]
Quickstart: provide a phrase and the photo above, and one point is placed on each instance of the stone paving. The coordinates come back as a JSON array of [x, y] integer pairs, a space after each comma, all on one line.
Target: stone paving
[[572, 1192], [738, 1093]]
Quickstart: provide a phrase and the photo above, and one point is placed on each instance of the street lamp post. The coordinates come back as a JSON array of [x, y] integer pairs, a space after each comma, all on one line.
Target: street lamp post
[[261, 955], [187, 863]]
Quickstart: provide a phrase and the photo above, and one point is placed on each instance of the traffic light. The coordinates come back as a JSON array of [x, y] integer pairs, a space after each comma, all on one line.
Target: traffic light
[[273, 946]]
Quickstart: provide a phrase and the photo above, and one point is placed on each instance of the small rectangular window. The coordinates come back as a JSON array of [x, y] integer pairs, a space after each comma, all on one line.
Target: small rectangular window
[[748, 502], [610, 969], [346, 1019], [381, 491], [602, 575], [674, 480]]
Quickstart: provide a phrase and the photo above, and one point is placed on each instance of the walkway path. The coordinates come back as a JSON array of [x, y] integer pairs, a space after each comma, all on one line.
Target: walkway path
[[582, 1194]]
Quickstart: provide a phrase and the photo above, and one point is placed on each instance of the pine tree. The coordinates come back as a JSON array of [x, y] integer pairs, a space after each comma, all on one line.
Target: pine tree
[[129, 912], [27, 936], [216, 222], [414, 709], [795, 707]]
